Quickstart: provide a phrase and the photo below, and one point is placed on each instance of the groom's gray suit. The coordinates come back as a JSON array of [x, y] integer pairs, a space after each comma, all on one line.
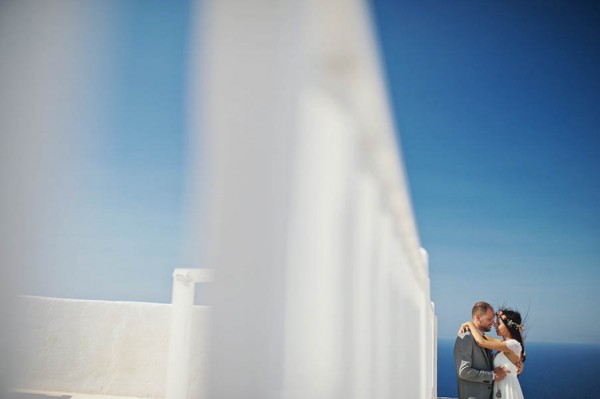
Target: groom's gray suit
[[474, 368]]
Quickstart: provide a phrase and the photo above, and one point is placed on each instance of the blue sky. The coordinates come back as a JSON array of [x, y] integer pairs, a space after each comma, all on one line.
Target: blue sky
[[497, 106], [120, 238]]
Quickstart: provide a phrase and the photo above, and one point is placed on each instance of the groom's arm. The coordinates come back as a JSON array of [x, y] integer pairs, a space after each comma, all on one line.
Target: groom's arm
[[463, 349], [520, 367]]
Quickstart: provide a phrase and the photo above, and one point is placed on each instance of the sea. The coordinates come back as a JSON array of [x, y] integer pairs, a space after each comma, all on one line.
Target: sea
[[561, 371]]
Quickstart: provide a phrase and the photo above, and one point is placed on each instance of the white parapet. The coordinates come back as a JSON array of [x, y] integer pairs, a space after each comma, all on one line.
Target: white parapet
[[103, 347]]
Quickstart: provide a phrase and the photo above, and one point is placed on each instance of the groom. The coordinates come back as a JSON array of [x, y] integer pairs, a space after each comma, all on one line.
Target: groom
[[474, 365]]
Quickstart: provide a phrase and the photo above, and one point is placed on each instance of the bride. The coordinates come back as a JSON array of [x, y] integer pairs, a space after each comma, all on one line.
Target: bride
[[510, 349]]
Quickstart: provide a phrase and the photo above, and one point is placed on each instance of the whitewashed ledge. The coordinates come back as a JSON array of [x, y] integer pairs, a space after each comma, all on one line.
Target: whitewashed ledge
[[66, 341], [64, 395], [83, 349], [21, 394]]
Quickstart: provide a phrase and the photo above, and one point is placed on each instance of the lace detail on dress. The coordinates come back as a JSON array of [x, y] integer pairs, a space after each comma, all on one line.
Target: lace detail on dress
[[514, 346]]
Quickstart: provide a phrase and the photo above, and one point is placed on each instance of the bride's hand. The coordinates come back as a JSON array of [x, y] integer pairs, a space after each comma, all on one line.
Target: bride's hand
[[463, 328]]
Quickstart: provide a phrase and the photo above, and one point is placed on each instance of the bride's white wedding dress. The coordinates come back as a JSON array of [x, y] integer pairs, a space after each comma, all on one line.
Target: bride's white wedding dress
[[509, 387]]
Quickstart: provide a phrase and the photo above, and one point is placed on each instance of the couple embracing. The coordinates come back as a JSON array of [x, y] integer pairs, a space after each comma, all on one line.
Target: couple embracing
[[481, 373]]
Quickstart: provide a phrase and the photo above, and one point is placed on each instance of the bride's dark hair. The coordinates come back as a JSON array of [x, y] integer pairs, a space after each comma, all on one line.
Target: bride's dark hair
[[514, 323]]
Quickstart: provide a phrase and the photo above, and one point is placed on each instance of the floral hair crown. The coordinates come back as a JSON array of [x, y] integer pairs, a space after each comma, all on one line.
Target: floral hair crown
[[508, 321]]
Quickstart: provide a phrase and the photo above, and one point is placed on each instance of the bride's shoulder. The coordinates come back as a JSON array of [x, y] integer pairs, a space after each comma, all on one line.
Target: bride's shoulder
[[514, 346]]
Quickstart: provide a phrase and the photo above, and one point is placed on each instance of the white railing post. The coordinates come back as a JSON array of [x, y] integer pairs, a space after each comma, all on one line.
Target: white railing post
[[178, 362], [366, 197], [382, 309], [435, 348]]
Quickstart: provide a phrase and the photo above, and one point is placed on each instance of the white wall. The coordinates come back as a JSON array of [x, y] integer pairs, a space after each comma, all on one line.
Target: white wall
[[113, 348], [321, 289]]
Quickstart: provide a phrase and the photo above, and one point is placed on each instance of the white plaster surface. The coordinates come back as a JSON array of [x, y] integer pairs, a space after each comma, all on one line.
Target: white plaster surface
[[35, 394], [102, 347]]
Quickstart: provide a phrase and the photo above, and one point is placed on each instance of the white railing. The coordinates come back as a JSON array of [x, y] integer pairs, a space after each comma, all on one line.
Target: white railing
[[321, 288], [178, 362]]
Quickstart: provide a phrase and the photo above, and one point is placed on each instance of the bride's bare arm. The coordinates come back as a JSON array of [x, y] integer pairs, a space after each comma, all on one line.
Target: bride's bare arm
[[466, 327], [489, 343]]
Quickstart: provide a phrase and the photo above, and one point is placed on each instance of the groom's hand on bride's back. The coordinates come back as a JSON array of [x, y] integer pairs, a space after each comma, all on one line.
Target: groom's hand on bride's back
[[519, 367], [500, 373]]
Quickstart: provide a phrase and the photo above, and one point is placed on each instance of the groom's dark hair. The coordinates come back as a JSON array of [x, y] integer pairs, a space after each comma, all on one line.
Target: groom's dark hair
[[480, 308]]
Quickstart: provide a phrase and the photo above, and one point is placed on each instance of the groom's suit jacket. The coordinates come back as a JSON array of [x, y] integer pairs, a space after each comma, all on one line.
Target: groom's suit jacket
[[474, 366]]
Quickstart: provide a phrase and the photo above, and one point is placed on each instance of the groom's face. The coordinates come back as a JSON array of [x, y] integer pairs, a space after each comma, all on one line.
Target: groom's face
[[486, 321]]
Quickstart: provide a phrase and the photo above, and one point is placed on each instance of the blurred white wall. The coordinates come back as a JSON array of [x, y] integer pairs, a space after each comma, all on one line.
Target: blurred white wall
[[321, 289], [41, 90]]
